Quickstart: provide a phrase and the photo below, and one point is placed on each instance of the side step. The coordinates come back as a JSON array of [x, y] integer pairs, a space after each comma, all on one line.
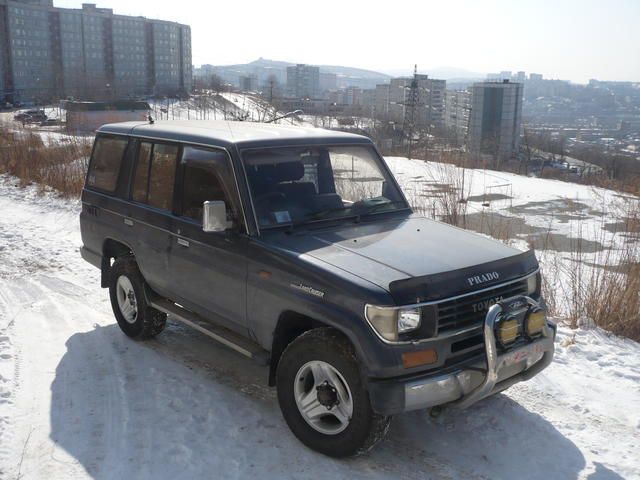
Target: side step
[[223, 335]]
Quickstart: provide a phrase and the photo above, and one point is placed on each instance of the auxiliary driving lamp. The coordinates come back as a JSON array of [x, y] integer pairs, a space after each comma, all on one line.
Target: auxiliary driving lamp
[[534, 323], [507, 330]]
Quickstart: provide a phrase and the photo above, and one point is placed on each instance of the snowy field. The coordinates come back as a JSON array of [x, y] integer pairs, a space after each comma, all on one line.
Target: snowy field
[[80, 400]]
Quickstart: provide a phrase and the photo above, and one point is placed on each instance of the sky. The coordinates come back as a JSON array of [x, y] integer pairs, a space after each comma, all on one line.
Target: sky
[[568, 39]]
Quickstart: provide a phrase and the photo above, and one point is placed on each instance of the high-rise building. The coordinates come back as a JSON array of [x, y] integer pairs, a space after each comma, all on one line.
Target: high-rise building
[[457, 109], [48, 52], [496, 119], [328, 82], [381, 109], [303, 81], [249, 83], [429, 104]]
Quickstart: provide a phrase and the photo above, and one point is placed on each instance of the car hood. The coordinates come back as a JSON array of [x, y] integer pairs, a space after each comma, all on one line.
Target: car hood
[[410, 256]]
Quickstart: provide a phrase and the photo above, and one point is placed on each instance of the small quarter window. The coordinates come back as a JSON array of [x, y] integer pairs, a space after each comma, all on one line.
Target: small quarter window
[[106, 162]]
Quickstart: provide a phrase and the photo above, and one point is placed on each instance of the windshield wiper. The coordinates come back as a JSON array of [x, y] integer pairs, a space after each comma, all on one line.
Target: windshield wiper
[[377, 206], [318, 216]]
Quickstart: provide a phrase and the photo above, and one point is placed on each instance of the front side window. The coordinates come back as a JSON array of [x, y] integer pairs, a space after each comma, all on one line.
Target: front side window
[[296, 185], [106, 162], [208, 176]]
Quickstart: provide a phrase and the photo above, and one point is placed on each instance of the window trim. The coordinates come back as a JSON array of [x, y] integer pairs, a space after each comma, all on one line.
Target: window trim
[[153, 143], [138, 138], [369, 145], [180, 179], [114, 192]]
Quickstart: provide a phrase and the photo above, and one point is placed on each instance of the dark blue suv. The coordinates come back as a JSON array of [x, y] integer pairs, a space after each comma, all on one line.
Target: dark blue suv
[[297, 248]]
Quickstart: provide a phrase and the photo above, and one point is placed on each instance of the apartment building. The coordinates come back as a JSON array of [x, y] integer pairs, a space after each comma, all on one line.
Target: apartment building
[[48, 53], [428, 106], [457, 109], [496, 119], [303, 81]]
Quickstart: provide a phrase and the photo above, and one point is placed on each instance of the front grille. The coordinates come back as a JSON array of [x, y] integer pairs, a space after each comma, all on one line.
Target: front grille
[[471, 310]]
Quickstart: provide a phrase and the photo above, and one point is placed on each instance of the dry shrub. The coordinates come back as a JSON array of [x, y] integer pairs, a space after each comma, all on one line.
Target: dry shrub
[[603, 288], [59, 164], [445, 191]]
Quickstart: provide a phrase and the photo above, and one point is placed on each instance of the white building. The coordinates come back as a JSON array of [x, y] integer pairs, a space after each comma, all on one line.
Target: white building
[[457, 109], [429, 109]]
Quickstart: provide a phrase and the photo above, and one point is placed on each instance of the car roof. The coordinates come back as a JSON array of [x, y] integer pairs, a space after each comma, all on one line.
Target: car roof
[[226, 133]]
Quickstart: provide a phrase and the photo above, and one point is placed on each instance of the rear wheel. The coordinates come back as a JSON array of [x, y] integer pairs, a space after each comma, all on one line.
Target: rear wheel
[[322, 397], [126, 288]]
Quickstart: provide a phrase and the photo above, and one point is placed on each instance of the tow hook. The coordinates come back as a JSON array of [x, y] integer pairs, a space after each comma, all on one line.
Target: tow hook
[[435, 412]]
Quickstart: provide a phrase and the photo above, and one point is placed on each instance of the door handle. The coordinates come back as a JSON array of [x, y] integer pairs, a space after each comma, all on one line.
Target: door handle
[[183, 242], [128, 222]]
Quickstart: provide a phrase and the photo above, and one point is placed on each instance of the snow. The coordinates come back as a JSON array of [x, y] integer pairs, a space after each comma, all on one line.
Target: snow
[[539, 194], [79, 400], [226, 106]]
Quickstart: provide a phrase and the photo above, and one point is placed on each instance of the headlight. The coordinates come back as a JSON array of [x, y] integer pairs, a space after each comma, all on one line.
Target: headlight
[[408, 320], [389, 323], [532, 284]]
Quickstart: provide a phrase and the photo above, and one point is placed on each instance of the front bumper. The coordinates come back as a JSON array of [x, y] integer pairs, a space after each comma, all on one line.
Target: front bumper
[[465, 386]]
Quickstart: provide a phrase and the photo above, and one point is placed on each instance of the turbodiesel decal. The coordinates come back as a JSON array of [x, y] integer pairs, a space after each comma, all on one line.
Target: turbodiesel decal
[[307, 289]]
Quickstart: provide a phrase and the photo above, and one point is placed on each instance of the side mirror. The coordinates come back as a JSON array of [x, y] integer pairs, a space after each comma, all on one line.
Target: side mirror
[[214, 217]]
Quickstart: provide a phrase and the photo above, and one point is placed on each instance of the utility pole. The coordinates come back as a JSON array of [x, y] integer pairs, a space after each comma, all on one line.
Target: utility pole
[[411, 104]]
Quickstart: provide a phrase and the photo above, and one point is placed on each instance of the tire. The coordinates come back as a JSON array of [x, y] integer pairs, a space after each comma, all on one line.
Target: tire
[[135, 317], [324, 354]]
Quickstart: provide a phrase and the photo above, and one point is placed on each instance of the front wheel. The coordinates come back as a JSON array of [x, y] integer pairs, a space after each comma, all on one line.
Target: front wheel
[[322, 397]]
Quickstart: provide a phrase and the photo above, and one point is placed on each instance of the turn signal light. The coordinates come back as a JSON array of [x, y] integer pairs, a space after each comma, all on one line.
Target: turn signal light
[[507, 331], [534, 323], [421, 357]]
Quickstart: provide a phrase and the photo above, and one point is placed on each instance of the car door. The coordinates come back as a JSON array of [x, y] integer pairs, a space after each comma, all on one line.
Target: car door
[[150, 218], [209, 270]]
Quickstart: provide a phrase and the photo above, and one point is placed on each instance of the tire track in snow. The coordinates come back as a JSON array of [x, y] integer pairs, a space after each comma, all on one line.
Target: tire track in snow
[[8, 376]]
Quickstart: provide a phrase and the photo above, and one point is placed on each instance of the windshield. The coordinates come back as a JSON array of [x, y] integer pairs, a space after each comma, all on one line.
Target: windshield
[[296, 185]]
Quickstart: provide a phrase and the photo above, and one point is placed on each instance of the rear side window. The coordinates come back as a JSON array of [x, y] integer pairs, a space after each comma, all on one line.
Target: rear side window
[[155, 175], [141, 180], [106, 162]]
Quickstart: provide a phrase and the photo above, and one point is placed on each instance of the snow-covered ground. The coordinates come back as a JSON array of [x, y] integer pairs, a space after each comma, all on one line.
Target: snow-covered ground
[[551, 205], [79, 400], [228, 106]]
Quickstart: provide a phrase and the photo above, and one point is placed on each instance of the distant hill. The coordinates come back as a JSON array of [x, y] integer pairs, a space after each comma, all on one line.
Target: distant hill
[[443, 73], [264, 68], [338, 70]]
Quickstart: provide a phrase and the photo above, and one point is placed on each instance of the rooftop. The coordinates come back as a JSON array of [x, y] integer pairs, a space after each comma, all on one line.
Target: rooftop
[[226, 133]]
